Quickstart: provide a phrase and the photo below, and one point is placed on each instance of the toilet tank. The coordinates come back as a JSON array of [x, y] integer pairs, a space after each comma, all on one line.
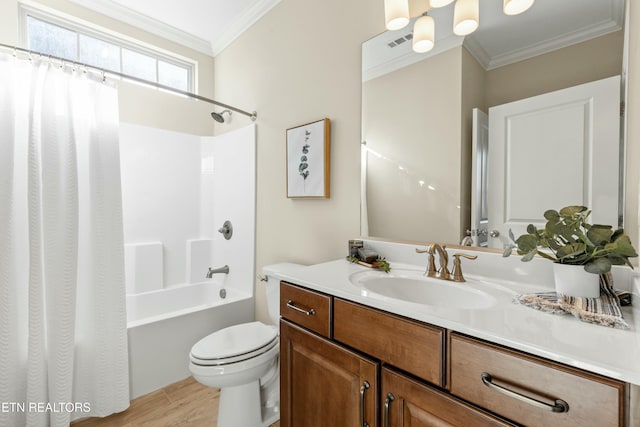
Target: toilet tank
[[270, 272]]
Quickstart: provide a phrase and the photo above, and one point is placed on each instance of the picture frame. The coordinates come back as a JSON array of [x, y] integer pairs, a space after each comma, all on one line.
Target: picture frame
[[308, 160]]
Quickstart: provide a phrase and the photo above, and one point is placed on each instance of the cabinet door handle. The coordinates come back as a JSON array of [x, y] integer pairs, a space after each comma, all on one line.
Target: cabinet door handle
[[364, 387], [293, 306], [559, 405], [387, 402]]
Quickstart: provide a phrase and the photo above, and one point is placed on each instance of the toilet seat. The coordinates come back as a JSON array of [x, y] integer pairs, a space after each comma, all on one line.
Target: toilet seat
[[234, 344]]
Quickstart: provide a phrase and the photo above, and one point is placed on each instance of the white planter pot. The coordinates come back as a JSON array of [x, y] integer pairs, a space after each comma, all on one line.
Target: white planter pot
[[574, 281]]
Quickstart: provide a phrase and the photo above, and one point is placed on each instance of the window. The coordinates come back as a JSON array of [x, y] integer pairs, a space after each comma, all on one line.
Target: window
[[61, 37]]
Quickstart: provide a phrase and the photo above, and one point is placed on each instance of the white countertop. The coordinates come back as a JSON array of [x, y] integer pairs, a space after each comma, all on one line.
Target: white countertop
[[614, 353]]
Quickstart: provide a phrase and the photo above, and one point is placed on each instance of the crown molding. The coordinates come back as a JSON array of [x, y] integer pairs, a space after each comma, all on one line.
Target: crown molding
[[143, 22], [477, 51], [615, 23], [554, 44], [410, 57], [240, 25]]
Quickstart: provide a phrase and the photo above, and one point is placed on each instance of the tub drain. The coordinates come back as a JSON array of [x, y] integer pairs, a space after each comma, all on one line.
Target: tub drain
[[223, 293]]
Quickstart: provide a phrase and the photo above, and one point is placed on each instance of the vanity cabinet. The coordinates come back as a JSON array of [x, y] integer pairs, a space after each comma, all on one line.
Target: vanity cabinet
[[346, 364]]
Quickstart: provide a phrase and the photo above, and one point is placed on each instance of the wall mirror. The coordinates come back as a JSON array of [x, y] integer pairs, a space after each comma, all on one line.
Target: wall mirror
[[418, 156]]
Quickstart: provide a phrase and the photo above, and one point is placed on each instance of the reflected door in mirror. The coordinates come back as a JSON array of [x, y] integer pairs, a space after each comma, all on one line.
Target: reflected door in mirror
[[551, 151]]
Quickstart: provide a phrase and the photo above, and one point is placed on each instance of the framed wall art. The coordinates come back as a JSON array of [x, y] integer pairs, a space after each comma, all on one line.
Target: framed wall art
[[308, 160]]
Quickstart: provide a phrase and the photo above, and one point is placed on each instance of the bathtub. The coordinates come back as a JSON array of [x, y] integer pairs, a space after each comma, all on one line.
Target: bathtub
[[162, 326]]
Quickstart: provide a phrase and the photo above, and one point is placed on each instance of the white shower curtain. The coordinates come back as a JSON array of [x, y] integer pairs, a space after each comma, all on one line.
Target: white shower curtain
[[63, 344]]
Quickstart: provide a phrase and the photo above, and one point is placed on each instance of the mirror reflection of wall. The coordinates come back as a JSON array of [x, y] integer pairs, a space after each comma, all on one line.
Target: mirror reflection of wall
[[416, 129]]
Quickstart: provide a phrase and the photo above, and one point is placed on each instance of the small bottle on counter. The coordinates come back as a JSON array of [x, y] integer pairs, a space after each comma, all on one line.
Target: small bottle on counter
[[354, 245]]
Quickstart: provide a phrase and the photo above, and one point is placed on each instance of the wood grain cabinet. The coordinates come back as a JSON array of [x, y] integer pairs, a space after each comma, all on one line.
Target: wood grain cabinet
[[346, 364], [530, 390], [323, 384], [409, 403], [406, 344], [306, 308]]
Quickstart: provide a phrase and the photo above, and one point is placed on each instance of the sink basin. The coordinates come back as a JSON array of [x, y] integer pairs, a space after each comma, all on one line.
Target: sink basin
[[412, 286]]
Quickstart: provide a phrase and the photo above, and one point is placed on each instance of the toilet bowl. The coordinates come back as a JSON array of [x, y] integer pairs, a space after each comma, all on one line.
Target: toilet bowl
[[242, 361]]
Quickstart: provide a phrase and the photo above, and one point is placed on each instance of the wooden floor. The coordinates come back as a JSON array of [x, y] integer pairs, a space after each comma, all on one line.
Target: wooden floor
[[184, 404]]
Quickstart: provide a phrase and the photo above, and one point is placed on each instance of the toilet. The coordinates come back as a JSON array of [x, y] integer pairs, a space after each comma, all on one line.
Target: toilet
[[242, 360]]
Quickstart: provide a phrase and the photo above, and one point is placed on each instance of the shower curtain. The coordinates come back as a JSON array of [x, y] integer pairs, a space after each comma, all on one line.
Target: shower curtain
[[63, 344]]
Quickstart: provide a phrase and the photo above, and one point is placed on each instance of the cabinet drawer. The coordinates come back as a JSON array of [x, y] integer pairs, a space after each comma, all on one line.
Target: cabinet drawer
[[405, 344], [516, 379], [306, 308]]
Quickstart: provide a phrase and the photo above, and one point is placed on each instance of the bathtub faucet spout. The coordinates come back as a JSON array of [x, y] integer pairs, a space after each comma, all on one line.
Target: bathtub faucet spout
[[211, 271]]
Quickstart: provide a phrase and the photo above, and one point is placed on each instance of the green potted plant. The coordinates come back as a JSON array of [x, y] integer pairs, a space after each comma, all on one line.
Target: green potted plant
[[587, 250]]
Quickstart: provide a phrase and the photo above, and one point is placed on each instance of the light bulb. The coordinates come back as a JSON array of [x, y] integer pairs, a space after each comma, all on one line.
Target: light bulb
[[514, 7], [466, 17], [396, 14], [440, 3], [423, 34]]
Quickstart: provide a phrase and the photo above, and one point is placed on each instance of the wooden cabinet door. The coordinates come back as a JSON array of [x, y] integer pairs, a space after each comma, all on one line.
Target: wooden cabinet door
[[408, 403], [323, 384]]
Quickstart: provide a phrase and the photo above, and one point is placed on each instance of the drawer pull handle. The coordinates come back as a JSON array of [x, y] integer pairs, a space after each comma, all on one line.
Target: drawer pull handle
[[364, 387], [559, 405], [387, 402], [293, 306]]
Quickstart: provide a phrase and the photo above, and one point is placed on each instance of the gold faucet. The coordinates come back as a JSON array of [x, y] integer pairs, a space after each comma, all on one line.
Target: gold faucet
[[443, 273]]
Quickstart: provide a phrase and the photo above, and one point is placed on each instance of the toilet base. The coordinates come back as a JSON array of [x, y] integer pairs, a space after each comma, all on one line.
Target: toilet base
[[244, 406], [240, 406]]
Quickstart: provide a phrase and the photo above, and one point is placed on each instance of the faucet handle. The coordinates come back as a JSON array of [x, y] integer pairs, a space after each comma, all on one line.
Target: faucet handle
[[457, 266], [431, 267]]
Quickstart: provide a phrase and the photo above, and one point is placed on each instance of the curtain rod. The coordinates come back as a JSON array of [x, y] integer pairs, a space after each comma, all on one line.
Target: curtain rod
[[104, 71]]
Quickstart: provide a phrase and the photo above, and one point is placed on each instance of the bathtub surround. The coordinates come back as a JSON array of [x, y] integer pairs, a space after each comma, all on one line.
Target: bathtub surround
[[178, 190], [198, 254], [63, 321], [141, 262]]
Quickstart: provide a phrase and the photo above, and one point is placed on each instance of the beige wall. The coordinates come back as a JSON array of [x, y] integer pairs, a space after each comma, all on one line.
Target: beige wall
[[412, 118], [559, 69], [300, 63], [137, 104]]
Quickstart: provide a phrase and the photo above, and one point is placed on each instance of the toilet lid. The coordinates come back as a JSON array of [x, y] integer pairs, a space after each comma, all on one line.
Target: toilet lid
[[237, 340]]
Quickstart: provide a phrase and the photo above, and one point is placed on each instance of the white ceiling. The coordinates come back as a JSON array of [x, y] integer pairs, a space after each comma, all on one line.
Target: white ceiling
[[500, 39], [205, 25], [211, 25]]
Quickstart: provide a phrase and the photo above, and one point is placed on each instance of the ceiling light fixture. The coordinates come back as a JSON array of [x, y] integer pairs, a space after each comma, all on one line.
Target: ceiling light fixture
[[396, 14], [440, 3], [466, 17], [424, 31], [514, 7]]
